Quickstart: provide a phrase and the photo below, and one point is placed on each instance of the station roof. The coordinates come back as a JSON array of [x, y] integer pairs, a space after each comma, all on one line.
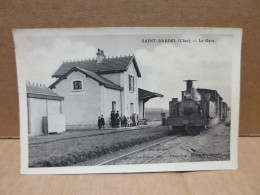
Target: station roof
[[39, 91], [93, 75], [146, 95], [108, 65]]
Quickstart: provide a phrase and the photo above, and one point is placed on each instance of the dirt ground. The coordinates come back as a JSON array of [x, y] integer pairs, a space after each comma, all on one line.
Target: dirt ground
[[211, 145], [75, 147]]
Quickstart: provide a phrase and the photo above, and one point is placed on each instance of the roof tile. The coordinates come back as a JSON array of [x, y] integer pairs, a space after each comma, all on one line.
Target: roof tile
[[41, 91], [91, 74], [107, 65]]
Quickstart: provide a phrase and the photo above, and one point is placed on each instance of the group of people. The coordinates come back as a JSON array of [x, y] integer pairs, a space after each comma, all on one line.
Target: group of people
[[132, 121], [116, 119]]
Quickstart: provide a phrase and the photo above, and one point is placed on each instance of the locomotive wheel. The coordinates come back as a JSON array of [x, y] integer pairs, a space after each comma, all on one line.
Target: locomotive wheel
[[173, 130], [204, 128], [187, 130], [169, 130], [192, 131]]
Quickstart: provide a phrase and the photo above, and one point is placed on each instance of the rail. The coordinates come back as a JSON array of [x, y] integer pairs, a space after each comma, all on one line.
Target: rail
[[136, 151]]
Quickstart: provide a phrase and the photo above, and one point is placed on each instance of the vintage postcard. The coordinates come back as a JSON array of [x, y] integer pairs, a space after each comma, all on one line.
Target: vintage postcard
[[117, 100]]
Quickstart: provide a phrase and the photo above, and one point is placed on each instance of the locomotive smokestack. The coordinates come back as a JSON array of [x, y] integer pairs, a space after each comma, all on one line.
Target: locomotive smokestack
[[189, 86]]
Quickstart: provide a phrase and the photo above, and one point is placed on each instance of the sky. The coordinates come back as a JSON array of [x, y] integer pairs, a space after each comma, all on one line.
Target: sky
[[163, 66]]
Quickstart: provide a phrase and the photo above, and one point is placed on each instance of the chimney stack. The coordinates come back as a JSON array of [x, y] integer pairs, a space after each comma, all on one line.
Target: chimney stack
[[100, 56], [189, 87]]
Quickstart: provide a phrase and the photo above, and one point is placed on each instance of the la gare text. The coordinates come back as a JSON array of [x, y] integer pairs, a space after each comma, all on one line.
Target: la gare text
[[177, 40]]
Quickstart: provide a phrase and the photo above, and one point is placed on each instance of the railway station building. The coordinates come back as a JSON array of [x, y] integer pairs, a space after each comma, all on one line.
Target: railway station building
[[96, 87]]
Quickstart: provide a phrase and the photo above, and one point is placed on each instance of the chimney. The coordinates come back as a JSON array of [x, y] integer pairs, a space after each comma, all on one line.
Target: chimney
[[189, 87], [100, 56]]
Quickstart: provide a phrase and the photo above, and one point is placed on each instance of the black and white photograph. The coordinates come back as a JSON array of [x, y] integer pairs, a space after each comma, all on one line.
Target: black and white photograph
[[116, 100]]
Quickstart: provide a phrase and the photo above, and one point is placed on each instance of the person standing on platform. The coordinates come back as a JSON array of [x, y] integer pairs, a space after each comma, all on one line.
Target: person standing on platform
[[124, 121], [133, 119], [99, 122], [117, 119], [112, 116], [102, 121]]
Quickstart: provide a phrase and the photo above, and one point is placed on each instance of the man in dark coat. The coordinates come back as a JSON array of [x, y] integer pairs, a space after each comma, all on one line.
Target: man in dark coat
[[133, 119], [112, 116], [102, 121], [117, 119], [124, 121], [99, 122]]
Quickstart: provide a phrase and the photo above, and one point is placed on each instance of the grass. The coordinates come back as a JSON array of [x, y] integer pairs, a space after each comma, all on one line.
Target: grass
[[71, 149]]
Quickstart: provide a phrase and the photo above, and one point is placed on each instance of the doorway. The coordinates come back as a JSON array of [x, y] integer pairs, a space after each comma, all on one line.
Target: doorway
[[131, 109]]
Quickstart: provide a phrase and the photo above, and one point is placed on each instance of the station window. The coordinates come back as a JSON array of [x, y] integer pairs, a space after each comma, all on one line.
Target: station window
[[77, 85], [131, 83]]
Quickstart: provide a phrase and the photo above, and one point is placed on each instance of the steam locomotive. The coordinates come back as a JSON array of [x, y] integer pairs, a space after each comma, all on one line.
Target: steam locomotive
[[198, 110]]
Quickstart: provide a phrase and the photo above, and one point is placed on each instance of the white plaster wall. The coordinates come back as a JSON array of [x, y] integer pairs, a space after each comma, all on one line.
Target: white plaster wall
[[81, 108], [141, 113], [37, 110], [123, 93], [54, 107], [114, 77], [56, 123], [103, 100], [130, 97]]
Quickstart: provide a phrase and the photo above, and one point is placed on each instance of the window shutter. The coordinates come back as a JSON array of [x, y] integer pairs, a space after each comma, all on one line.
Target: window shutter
[[129, 82], [133, 83]]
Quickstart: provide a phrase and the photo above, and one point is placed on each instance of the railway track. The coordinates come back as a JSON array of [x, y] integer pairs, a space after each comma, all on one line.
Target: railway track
[[111, 161]]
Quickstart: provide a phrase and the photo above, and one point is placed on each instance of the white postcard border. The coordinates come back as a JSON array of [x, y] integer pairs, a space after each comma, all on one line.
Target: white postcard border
[[19, 34]]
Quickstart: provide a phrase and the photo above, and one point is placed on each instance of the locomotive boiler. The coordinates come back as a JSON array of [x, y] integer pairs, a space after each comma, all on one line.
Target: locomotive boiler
[[196, 112]]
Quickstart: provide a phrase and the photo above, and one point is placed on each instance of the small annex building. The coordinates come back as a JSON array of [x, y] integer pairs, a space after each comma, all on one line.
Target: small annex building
[[96, 87], [44, 110]]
